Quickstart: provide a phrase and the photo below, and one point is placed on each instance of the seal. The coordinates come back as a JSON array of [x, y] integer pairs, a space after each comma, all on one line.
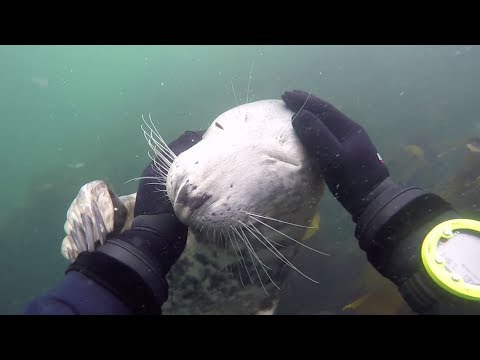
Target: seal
[[248, 194]]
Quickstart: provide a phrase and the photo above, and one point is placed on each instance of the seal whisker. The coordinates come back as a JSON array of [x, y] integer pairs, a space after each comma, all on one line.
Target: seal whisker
[[160, 162], [241, 254], [250, 252], [157, 189], [161, 169], [289, 237], [140, 178], [155, 144], [159, 153], [166, 151], [248, 89], [235, 96], [261, 263], [161, 142], [305, 103], [278, 254], [156, 183], [157, 133], [154, 157], [250, 247], [160, 182], [281, 221], [251, 218], [270, 242], [240, 258], [149, 135]]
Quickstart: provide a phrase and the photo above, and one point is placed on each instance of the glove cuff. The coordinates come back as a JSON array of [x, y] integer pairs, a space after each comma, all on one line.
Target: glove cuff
[[397, 207], [133, 266]]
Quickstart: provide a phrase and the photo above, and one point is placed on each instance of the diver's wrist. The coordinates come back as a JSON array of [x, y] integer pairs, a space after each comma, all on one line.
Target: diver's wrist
[[392, 226], [396, 209], [365, 201]]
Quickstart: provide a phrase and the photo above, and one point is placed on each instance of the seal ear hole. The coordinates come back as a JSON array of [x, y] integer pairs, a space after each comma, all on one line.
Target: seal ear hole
[[196, 162]]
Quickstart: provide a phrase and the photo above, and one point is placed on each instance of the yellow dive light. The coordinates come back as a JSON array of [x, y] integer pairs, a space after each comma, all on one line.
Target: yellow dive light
[[451, 256]]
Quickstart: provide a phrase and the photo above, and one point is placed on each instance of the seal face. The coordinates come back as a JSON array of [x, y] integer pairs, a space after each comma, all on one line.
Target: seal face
[[243, 190], [249, 162]]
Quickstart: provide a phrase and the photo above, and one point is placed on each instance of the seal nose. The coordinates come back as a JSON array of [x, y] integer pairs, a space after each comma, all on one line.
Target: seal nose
[[196, 202], [188, 200]]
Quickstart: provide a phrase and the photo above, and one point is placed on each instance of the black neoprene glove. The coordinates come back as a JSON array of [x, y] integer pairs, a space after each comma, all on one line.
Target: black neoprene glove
[[343, 151], [134, 265], [391, 220]]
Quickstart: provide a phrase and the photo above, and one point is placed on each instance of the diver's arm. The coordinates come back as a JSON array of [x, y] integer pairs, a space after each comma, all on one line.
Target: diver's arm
[[126, 274], [77, 294], [400, 229], [392, 230]]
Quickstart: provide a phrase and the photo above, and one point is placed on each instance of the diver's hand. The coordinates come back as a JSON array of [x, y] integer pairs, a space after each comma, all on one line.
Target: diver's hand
[[343, 151], [152, 208], [134, 265]]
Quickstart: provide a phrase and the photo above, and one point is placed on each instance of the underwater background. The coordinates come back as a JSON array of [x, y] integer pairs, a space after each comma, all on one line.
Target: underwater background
[[72, 114]]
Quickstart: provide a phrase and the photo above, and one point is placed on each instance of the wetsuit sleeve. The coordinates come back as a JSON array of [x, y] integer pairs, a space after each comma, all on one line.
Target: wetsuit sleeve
[[76, 294]]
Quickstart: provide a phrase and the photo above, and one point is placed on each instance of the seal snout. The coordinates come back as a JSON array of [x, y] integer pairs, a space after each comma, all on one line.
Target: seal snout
[[188, 200]]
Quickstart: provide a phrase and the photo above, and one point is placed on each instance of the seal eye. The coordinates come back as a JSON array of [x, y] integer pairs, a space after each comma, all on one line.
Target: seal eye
[[219, 126]]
